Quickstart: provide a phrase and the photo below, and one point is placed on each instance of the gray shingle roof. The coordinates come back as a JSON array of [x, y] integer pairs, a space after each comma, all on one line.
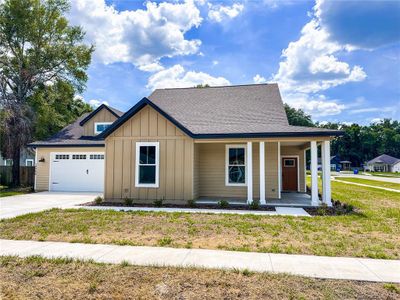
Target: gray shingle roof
[[385, 159], [72, 135], [241, 109]]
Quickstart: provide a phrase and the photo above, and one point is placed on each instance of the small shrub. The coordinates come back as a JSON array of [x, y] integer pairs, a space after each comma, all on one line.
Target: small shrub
[[247, 272], [223, 204], [158, 203], [392, 287], [349, 208], [192, 203], [125, 263], [254, 205], [128, 201], [165, 241], [98, 200]]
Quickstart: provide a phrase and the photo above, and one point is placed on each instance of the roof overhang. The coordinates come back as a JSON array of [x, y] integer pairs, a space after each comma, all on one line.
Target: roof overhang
[[65, 145]]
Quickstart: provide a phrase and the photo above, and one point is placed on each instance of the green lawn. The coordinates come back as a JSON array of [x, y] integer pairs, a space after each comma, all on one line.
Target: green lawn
[[376, 183], [38, 278], [374, 231], [384, 174], [5, 191]]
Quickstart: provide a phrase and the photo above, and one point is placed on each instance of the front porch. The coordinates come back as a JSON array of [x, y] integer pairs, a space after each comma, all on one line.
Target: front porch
[[271, 171], [287, 200]]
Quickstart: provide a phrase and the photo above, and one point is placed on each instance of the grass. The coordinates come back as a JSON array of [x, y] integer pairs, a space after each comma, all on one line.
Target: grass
[[376, 183], [373, 231], [6, 191], [39, 278]]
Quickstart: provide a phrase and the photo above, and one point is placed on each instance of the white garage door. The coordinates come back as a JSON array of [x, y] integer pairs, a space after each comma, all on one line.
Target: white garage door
[[77, 172]]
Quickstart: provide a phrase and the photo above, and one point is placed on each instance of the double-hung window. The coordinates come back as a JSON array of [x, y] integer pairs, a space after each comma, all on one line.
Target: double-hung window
[[147, 164], [235, 165], [99, 127]]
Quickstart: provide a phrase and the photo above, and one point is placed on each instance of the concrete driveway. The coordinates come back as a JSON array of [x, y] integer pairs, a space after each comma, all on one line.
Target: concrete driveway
[[22, 204]]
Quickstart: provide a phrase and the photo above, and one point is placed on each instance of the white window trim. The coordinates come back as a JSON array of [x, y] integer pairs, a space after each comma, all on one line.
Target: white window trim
[[227, 147], [31, 160], [147, 185], [100, 123]]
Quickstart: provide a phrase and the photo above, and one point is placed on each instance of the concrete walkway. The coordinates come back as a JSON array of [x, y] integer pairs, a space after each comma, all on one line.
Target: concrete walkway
[[306, 265], [13, 206], [367, 185], [279, 211]]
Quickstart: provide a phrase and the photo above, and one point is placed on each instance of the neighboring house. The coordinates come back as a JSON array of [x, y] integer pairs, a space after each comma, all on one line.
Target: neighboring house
[[212, 143], [73, 159], [27, 159], [383, 163]]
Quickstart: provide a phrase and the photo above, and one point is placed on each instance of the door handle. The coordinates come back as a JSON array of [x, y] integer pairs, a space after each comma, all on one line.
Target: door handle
[[87, 171]]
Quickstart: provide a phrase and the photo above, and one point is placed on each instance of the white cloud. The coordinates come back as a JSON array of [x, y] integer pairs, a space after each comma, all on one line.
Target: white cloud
[[177, 76], [96, 103], [259, 79], [309, 64], [219, 13], [141, 36], [376, 120]]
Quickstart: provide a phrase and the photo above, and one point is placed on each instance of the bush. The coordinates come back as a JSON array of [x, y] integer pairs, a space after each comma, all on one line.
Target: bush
[[192, 203], [223, 203], [128, 201], [98, 200], [158, 203], [255, 204]]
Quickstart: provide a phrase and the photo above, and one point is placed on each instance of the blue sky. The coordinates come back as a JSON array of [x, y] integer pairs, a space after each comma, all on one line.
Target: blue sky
[[338, 61]]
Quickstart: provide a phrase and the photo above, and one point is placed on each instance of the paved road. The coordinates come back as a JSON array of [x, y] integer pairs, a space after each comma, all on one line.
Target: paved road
[[378, 270], [377, 178], [22, 204]]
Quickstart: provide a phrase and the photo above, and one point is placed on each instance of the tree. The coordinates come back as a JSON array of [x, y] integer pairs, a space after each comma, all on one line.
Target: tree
[[201, 85], [55, 106], [37, 46], [297, 117]]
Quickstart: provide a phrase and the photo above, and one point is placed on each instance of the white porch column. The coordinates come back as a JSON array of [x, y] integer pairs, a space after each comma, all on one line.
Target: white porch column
[[279, 172], [262, 173], [326, 173], [314, 173], [249, 172]]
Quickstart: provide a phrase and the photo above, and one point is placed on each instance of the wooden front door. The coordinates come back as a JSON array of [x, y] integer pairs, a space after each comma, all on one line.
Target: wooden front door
[[289, 173]]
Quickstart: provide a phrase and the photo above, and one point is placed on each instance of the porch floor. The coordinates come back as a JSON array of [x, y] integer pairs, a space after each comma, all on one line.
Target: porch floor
[[287, 200]]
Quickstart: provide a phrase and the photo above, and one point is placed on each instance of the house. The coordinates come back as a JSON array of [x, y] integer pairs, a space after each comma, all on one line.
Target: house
[[73, 159], [207, 144], [383, 163], [27, 159]]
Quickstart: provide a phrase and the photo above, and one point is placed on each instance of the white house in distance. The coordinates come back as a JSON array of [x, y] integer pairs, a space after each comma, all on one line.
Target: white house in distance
[[383, 163]]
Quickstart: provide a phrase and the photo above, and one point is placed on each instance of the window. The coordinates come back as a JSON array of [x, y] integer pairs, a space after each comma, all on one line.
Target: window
[[8, 162], [289, 162], [147, 164], [29, 162], [235, 165], [100, 127], [79, 156], [96, 156], [62, 156]]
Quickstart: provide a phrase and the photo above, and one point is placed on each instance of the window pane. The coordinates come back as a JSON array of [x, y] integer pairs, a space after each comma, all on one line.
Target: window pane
[[237, 174], [143, 155], [102, 127], [151, 154], [147, 174], [236, 156]]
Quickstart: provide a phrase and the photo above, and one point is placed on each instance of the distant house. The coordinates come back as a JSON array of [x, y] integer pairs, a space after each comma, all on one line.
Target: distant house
[[336, 164], [383, 163], [27, 159]]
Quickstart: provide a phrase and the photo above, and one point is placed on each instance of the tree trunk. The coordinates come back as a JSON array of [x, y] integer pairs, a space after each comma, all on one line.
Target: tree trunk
[[15, 168]]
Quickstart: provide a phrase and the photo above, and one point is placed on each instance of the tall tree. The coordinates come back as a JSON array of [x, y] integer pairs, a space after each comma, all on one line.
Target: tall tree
[[37, 46], [297, 117]]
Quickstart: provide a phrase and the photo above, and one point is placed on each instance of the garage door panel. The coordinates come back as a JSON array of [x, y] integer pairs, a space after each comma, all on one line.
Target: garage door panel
[[80, 172]]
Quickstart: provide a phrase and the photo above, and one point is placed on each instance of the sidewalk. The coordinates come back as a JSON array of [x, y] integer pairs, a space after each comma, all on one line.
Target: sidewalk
[[366, 185], [305, 265]]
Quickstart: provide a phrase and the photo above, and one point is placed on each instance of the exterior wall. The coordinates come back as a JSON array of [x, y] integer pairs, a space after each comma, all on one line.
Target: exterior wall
[[210, 170], [42, 170], [103, 115], [396, 167], [176, 159], [296, 151]]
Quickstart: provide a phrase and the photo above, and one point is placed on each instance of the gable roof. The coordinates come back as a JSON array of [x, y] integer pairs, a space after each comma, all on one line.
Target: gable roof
[[72, 135], [112, 110], [385, 159], [229, 111]]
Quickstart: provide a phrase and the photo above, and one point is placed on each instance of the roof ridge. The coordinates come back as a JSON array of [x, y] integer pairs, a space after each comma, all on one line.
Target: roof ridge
[[218, 86]]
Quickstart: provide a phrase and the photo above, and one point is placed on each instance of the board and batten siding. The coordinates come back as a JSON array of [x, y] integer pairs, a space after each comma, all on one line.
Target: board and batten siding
[[104, 115], [176, 159], [42, 170], [210, 171]]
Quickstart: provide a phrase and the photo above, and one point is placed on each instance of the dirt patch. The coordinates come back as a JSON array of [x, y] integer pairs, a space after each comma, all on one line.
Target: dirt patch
[[36, 278]]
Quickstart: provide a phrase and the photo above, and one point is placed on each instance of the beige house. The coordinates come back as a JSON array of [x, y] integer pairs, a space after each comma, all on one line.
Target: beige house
[[73, 159], [214, 143]]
